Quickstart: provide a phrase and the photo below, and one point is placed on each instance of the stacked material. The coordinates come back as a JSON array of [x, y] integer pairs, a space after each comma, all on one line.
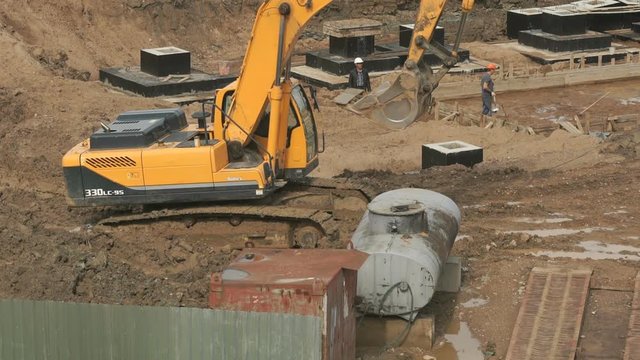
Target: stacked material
[[572, 27]]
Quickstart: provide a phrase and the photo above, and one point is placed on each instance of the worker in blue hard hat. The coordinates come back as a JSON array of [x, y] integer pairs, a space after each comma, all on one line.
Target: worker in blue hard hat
[[359, 76]]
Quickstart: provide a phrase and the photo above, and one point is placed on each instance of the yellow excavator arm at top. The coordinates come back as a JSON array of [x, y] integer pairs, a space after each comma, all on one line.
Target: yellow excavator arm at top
[[401, 103]]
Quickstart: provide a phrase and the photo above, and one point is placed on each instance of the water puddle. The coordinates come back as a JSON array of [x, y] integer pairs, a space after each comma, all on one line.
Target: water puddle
[[559, 232], [546, 109], [461, 237], [555, 220], [617, 212], [473, 303], [596, 250], [460, 344], [476, 206], [630, 101]]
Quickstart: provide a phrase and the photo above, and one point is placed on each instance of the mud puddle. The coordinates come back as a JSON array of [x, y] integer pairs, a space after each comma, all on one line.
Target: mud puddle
[[459, 344], [597, 250], [554, 220], [474, 303], [559, 232]]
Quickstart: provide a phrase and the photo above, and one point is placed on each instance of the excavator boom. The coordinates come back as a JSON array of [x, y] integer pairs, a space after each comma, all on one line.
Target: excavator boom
[[276, 29]]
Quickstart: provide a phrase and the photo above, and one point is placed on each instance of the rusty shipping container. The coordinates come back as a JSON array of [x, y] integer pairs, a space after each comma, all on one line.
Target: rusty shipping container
[[311, 282]]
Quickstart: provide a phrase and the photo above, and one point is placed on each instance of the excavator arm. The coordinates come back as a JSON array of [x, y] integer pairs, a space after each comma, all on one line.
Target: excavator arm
[[276, 29], [401, 103]]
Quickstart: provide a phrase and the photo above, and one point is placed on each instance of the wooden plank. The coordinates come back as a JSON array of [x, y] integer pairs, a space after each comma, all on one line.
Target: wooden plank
[[578, 123], [569, 127], [347, 95], [632, 347], [550, 317]]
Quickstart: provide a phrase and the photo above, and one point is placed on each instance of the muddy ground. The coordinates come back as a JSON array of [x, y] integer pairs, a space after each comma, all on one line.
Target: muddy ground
[[48, 102]]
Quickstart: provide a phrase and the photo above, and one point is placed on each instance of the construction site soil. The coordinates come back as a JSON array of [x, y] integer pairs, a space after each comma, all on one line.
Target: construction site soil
[[535, 201]]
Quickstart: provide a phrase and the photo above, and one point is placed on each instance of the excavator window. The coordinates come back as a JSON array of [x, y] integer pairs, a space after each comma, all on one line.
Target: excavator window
[[308, 122], [292, 123], [227, 100]]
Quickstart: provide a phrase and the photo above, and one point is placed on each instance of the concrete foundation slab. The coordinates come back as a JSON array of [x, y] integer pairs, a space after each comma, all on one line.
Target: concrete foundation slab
[[449, 153], [134, 80], [523, 19], [560, 43], [624, 34], [340, 65], [544, 56]]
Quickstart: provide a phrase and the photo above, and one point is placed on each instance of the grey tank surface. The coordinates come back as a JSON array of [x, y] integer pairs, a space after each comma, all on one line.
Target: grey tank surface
[[408, 234]]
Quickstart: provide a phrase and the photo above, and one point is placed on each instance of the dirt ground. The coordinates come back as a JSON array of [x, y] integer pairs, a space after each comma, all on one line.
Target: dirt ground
[[585, 187]]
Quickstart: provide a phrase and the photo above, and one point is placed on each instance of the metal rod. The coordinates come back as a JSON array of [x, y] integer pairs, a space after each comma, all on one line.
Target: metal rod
[[463, 20], [287, 72], [280, 50]]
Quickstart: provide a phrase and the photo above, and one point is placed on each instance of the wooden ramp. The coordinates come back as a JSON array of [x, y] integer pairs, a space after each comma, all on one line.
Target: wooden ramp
[[548, 324], [632, 349]]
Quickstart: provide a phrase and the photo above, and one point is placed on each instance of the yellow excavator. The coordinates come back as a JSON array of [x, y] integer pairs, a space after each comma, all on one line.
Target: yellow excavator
[[260, 134]]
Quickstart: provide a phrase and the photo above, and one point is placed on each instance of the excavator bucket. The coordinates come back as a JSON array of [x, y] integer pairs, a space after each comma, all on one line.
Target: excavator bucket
[[396, 105]]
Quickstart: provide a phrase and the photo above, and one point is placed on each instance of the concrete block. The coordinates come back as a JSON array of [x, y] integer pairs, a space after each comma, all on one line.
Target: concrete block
[[451, 277], [449, 153], [523, 19], [564, 22], [352, 47], [165, 61]]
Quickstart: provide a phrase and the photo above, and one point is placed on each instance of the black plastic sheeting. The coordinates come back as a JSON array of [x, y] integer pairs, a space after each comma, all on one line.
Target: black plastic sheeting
[[557, 43]]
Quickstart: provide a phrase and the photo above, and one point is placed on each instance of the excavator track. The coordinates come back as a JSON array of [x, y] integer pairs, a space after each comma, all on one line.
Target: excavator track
[[313, 223]]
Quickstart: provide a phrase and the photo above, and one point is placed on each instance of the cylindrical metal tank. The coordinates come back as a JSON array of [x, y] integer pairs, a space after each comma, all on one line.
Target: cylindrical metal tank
[[408, 234]]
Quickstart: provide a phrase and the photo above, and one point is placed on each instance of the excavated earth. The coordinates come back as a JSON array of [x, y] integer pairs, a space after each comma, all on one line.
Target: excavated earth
[[578, 187]]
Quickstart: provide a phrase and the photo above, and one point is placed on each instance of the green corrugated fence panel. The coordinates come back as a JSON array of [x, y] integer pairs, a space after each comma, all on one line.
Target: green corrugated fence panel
[[49, 330]]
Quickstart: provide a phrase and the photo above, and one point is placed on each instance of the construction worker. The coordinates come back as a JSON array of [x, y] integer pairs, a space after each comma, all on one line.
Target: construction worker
[[359, 77], [487, 90]]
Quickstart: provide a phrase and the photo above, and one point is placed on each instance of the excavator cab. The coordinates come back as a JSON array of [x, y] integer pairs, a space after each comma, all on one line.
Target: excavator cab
[[300, 155]]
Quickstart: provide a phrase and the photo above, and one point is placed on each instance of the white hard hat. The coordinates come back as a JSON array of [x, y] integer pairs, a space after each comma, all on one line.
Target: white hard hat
[[358, 61]]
